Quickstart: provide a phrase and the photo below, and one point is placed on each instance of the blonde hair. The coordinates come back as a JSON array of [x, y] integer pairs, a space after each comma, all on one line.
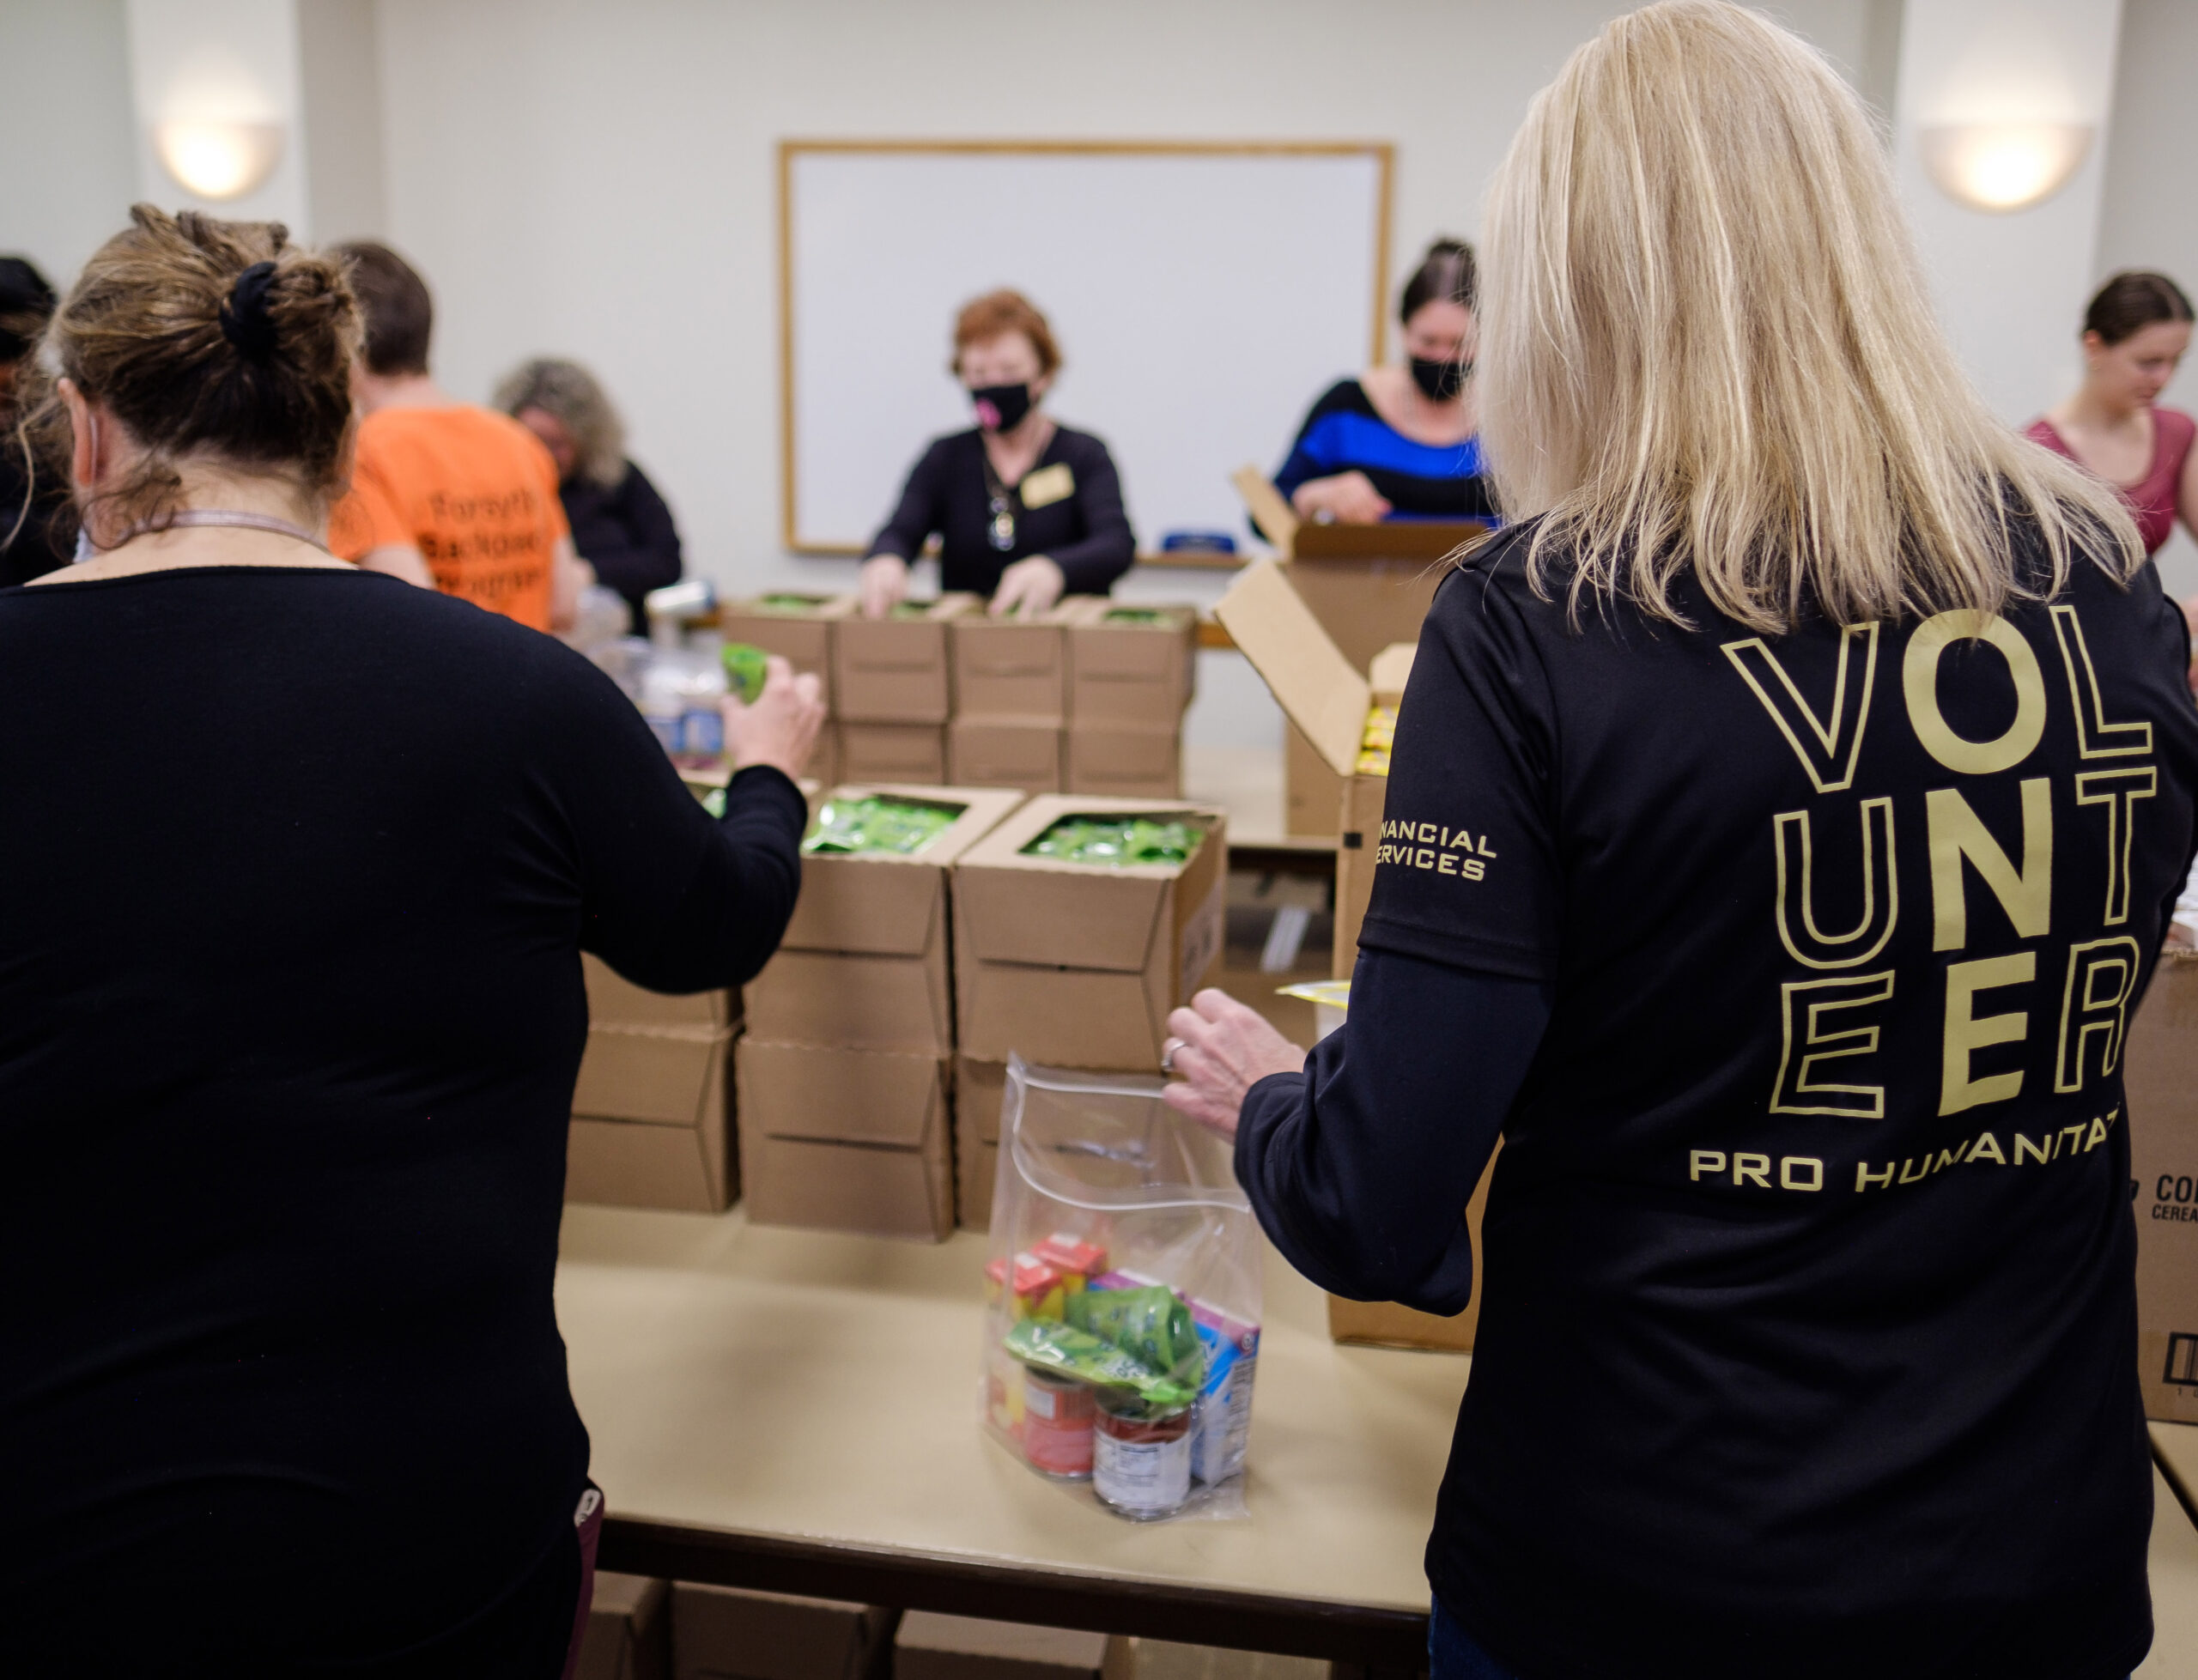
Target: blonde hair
[[570, 392], [1706, 345]]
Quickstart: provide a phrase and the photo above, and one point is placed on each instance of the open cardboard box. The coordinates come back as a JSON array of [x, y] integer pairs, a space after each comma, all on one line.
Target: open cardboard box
[[1328, 700], [1078, 965], [2161, 1084], [863, 963], [895, 669], [846, 1140], [652, 1125], [801, 635], [1131, 666], [628, 1634]]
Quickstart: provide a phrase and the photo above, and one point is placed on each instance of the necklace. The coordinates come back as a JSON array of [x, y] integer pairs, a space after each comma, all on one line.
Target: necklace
[[1001, 533], [234, 518]]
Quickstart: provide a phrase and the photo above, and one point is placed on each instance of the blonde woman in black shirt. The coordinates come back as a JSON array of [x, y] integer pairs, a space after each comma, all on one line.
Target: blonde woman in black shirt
[[1784, 817]]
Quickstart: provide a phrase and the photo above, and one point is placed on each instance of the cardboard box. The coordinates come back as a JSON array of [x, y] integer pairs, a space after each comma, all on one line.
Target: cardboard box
[[1005, 752], [1012, 668], [1128, 670], [895, 670], [650, 1125], [802, 635], [891, 753], [724, 1633], [980, 1087], [1078, 965], [2160, 1075], [1118, 760], [863, 962], [931, 1647], [1384, 1324], [846, 1140], [1370, 586], [628, 1634]]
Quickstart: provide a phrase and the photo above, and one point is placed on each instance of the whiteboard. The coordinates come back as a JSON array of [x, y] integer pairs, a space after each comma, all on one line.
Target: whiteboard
[[1202, 296]]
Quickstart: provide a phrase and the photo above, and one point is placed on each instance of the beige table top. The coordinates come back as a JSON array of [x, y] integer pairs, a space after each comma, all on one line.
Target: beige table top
[[825, 1387]]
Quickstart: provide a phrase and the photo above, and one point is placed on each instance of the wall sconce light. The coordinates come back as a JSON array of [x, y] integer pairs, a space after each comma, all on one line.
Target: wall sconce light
[[2003, 166], [219, 160]]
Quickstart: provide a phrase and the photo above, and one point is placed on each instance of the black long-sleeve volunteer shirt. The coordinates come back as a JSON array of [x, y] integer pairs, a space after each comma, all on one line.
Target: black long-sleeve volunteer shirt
[[1807, 1338], [298, 865]]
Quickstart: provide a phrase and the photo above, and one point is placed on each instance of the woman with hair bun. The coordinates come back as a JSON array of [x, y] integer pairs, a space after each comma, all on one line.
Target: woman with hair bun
[[620, 523], [1400, 442], [2135, 334], [300, 864]]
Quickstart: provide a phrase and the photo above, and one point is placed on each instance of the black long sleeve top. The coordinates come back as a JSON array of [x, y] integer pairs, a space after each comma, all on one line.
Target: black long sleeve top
[[1067, 507], [299, 864], [626, 532]]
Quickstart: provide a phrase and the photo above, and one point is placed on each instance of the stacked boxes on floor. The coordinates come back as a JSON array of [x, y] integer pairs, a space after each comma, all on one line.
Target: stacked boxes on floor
[[2160, 1079], [1131, 674], [803, 630], [1074, 964], [846, 1068], [931, 1647], [1349, 720], [724, 1633], [651, 1123]]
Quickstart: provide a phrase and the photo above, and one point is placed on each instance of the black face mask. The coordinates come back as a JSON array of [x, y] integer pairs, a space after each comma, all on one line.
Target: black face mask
[[1001, 408], [1439, 381]]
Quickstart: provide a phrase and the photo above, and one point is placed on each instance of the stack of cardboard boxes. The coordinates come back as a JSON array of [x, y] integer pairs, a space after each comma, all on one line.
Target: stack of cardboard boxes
[[2160, 1082], [1087, 697], [651, 1122], [1073, 965], [1340, 713], [845, 1071]]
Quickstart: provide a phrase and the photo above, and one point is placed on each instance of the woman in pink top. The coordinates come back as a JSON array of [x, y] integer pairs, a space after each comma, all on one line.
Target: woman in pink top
[[2135, 334]]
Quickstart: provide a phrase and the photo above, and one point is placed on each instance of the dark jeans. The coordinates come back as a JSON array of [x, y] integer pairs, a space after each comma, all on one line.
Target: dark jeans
[[1454, 1654]]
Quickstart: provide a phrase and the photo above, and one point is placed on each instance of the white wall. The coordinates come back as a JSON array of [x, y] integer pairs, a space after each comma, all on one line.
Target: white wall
[[2149, 216], [65, 128], [597, 181]]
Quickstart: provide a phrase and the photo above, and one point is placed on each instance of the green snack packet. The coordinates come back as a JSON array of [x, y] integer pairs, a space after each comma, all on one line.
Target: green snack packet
[[786, 603], [901, 827], [1133, 616], [1151, 1323], [1117, 841], [744, 668], [1067, 1351]]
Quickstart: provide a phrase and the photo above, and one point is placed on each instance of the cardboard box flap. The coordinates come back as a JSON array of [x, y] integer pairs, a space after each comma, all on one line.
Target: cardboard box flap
[[1390, 671], [915, 642], [1311, 681]]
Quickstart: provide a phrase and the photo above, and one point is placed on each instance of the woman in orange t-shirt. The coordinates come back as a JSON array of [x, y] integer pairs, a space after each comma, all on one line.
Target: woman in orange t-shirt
[[446, 494]]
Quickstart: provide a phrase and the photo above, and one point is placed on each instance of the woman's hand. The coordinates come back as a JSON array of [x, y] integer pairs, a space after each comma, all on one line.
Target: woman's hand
[[1222, 1048], [781, 728], [1028, 588], [882, 584], [1348, 498]]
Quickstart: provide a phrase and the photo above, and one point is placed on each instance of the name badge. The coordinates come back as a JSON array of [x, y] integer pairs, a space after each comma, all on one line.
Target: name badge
[[1046, 486]]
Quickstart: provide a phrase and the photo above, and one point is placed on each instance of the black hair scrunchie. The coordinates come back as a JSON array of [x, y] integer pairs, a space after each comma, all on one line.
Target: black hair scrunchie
[[244, 320]]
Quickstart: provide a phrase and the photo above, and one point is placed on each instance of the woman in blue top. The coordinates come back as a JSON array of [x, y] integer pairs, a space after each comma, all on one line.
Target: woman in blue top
[[1402, 442]]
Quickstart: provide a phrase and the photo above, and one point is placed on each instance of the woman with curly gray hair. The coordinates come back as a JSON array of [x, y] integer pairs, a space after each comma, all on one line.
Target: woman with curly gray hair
[[620, 526]]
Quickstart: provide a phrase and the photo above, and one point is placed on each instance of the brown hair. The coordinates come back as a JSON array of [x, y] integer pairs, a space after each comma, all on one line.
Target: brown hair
[[1447, 271], [2131, 301], [400, 316], [572, 394], [1001, 312], [206, 339]]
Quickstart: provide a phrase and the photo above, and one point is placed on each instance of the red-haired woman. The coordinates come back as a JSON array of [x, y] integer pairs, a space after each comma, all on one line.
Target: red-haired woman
[[1026, 510]]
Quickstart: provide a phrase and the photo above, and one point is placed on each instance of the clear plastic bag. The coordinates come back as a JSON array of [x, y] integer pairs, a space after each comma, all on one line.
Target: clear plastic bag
[[1122, 1317]]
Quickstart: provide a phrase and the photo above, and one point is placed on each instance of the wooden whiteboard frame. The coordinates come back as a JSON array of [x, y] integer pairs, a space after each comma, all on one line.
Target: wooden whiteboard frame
[[1383, 152]]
